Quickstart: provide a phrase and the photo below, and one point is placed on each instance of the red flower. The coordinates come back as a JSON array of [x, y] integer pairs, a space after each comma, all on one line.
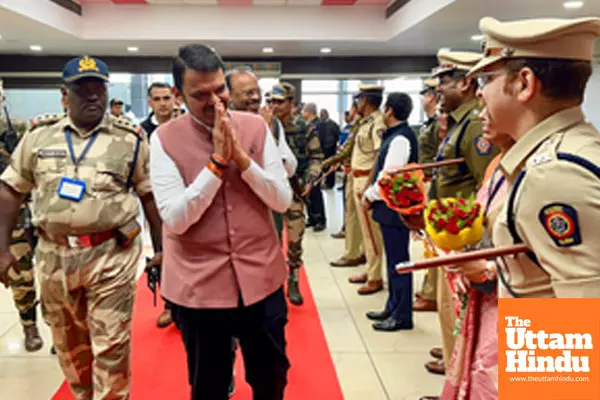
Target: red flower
[[430, 218], [452, 220], [469, 223], [461, 214], [405, 192], [452, 228], [440, 224], [406, 176], [462, 202], [404, 202], [474, 212]]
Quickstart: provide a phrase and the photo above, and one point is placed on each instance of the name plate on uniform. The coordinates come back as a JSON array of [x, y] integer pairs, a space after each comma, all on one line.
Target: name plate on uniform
[[71, 189]]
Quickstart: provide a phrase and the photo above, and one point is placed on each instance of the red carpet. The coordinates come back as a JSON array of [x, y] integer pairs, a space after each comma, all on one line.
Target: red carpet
[[159, 369]]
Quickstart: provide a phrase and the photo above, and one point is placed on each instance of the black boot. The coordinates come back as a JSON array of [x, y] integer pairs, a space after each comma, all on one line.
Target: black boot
[[294, 290]]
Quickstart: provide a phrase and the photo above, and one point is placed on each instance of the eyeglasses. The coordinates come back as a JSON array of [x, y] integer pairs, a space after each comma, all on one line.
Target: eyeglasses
[[485, 77]]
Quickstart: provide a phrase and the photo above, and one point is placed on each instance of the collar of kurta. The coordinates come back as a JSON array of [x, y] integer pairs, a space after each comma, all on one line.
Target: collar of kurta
[[463, 110], [103, 126], [395, 128], [557, 122]]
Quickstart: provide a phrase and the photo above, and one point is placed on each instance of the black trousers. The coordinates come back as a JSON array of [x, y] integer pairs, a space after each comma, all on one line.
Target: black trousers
[[330, 180], [207, 337], [316, 207]]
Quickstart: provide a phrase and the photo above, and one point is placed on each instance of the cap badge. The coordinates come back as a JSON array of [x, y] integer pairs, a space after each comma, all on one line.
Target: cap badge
[[508, 52], [88, 64]]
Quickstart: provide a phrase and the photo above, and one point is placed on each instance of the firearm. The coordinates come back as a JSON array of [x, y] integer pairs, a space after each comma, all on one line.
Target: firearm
[[30, 235], [153, 275], [9, 140], [296, 188]]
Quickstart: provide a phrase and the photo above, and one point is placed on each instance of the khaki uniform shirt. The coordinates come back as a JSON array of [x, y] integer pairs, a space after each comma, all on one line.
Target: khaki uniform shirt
[[367, 141], [429, 143], [345, 154], [465, 178], [42, 159], [556, 209]]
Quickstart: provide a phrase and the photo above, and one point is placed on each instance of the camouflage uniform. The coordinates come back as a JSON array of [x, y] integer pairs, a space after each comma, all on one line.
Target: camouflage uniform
[[21, 283], [304, 143], [87, 292]]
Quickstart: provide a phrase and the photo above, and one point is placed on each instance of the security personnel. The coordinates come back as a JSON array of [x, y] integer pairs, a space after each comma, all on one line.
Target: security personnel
[[540, 68], [429, 143], [22, 282], [304, 143], [464, 139], [82, 169], [364, 155], [353, 240]]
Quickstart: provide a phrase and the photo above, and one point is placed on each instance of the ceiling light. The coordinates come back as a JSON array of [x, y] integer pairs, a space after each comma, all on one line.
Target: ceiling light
[[477, 38], [572, 4], [325, 50], [132, 49], [35, 47], [267, 50]]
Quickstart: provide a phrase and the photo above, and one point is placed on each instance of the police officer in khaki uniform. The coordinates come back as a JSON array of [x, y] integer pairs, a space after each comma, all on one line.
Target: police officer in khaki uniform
[[429, 143], [353, 240], [364, 155], [533, 77], [83, 169], [464, 139]]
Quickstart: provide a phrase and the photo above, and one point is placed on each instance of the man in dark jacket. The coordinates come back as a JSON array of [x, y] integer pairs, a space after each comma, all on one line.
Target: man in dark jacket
[[329, 134], [162, 104], [399, 146]]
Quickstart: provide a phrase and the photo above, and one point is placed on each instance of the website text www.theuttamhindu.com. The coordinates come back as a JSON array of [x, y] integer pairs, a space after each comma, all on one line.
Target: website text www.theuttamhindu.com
[[540, 379]]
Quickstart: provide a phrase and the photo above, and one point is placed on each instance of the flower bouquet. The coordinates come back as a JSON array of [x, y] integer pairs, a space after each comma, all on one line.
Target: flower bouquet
[[403, 192], [454, 223]]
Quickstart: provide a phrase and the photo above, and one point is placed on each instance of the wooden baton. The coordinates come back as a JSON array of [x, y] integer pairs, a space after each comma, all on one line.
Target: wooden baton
[[438, 164], [457, 259]]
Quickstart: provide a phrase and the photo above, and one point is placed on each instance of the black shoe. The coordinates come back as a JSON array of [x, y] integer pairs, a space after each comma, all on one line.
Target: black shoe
[[391, 325], [53, 350], [319, 228], [378, 315], [294, 293], [231, 390], [310, 224]]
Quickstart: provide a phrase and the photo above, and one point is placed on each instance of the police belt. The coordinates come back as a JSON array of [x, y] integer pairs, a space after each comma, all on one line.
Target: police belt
[[358, 173], [77, 241]]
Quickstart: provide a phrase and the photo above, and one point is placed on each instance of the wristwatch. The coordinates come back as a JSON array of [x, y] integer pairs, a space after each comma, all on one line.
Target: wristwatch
[[490, 270]]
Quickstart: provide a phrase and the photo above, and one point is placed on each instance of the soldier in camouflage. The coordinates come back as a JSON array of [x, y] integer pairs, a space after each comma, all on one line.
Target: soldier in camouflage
[[304, 143], [82, 169], [21, 278], [353, 242]]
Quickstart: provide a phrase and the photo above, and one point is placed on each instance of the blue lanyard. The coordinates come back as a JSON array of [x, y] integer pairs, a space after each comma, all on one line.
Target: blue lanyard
[[493, 189], [87, 147], [440, 155]]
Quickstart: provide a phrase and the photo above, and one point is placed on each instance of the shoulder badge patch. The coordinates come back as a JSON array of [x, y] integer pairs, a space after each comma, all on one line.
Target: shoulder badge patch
[[128, 126], [562, 224], [483, 146], [46, 119]]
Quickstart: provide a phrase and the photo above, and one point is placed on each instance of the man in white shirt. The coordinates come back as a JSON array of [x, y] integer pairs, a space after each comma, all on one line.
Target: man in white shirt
[[216, 180], [399, 146]]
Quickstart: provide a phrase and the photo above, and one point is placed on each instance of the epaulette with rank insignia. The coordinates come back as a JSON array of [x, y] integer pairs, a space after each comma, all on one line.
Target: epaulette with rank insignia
[[46, 119], [128, 126]]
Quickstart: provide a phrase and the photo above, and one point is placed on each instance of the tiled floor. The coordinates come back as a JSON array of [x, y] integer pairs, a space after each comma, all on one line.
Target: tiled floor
[[370, 365]]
